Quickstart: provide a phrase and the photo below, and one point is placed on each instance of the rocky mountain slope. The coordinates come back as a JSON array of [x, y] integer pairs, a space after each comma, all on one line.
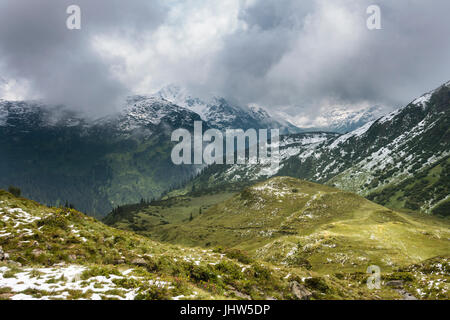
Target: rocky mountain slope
[[386, 160]]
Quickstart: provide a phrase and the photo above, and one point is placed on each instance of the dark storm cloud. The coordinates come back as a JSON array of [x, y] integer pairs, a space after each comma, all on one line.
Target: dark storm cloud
[[296, 56], [61, 65], [301, 54]]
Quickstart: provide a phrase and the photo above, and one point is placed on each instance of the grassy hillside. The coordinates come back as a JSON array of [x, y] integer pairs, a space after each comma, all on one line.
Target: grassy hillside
[[284, 217], [427, 191], [51, 253], [143, 217], [291, 223]]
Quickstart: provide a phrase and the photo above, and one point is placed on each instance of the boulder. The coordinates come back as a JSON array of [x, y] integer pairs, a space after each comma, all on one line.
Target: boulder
[[300, 291], [139, 262], [14, 263], [37, 252], [241, 295]]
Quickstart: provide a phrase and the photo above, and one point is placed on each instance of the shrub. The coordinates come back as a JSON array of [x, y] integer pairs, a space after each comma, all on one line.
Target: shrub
[[96, 271], [261, 272], [201, 273], [55, 221], [317, 284], [238, 255], [231, 270], [154, 293]]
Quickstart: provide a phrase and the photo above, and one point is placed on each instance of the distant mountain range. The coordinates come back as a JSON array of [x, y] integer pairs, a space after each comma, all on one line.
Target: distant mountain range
[[56, 155], [400, 160]]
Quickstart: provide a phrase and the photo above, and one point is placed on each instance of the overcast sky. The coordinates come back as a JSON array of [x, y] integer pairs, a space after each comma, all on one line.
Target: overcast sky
[[296, 57]]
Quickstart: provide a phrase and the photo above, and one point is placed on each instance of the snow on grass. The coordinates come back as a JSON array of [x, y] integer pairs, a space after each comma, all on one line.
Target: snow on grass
[[58, 283], [20, 216], [272, 189]]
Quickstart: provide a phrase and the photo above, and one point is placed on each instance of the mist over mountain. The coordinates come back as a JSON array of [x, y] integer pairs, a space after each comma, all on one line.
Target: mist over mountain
[[57, 155]]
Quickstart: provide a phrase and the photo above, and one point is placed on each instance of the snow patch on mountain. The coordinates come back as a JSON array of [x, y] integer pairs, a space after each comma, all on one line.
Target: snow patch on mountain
[[340, 119], [222, 114], [356, 133]]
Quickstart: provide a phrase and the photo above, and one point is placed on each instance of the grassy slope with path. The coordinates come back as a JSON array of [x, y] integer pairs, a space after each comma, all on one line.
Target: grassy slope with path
[[293, 223]]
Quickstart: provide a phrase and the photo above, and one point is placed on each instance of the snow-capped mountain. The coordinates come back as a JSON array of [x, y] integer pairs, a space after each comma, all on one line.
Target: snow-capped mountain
[[55, 155], [144, 114], [341, 119], [222, 114], [381, 160]]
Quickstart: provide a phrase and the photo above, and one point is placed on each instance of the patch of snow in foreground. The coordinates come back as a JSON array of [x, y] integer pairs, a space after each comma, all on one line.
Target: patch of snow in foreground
[[58, 281]]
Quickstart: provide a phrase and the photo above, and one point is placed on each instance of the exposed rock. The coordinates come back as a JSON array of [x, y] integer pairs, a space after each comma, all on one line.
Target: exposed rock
[[72, 257], [37, 252], [242, 295], [395, 283], [6, 296], [300, 291], [139, 262], [406, 295]]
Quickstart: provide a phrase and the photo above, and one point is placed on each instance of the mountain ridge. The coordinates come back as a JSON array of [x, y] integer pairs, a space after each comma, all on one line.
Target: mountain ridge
[[378, 154]]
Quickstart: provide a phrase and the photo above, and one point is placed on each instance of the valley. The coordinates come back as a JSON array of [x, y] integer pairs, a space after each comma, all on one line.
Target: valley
[[288, 221], [54, 253]]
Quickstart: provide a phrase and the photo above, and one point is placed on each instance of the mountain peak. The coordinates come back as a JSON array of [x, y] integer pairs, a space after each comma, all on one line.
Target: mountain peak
[[221, 113]]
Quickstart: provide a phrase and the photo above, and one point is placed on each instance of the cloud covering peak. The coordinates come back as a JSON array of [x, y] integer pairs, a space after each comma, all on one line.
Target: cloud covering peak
[[294, 57]]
